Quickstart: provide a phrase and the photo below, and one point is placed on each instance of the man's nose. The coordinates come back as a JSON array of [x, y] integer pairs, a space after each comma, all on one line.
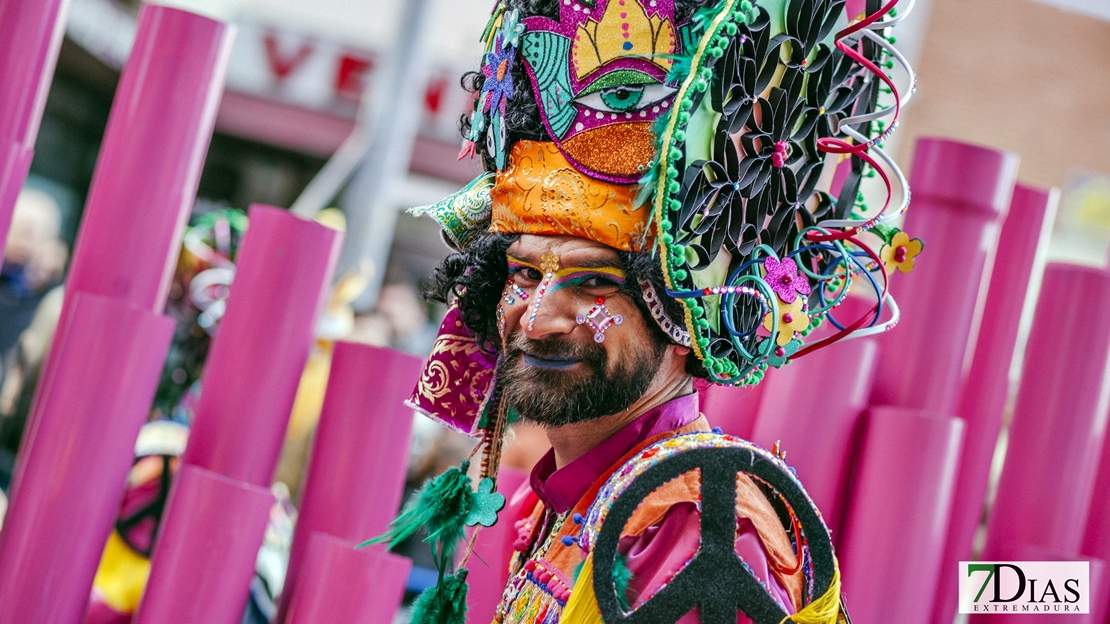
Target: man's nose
[[555, 315]]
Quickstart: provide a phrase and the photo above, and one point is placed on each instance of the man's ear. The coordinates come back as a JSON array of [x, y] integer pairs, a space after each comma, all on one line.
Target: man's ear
[[680, 354]]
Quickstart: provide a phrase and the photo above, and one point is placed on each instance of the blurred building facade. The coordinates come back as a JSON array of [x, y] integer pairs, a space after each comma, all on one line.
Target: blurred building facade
[[293, 90], [1030, 76]]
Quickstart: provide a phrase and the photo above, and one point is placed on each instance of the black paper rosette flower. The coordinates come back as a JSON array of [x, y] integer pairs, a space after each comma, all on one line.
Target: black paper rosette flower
[[743, 180]]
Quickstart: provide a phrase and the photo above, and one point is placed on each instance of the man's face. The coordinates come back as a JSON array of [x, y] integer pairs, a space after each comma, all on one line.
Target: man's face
[[553, 370]]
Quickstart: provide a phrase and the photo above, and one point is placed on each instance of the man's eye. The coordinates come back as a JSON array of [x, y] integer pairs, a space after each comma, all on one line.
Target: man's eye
[[600, 282], [526, 273]]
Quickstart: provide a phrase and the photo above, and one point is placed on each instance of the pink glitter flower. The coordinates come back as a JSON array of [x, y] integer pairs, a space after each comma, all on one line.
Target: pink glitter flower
[[783, 278]]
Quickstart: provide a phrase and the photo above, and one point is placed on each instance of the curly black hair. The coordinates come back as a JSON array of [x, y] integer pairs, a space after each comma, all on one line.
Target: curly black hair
[[475, 279]]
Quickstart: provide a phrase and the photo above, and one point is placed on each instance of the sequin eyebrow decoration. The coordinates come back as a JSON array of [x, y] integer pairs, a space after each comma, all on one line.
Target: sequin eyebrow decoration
[[602, 266], [517, 263], [573, 276]]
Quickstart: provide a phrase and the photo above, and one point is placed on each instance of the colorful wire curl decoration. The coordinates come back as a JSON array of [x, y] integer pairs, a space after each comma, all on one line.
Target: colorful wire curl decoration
[[755, 197]]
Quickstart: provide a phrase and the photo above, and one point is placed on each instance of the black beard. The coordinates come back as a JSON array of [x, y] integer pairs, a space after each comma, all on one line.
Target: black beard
[[553, 398]]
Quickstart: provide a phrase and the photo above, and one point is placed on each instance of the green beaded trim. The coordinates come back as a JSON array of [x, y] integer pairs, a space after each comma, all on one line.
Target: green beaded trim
[[713, 42]]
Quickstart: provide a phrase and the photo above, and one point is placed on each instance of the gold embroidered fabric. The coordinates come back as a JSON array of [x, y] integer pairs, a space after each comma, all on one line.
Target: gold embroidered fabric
[[540, 192]]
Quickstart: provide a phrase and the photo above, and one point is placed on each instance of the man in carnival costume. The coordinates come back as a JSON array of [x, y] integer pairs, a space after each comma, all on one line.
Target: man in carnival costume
[[656, 208]]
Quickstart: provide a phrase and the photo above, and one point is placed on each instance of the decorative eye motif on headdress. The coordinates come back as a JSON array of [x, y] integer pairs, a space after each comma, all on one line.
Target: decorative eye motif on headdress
[[600, 78]]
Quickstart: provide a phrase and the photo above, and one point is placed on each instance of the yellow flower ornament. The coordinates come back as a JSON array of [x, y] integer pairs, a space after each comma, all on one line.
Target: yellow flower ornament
[[792, 318], [900, 252]]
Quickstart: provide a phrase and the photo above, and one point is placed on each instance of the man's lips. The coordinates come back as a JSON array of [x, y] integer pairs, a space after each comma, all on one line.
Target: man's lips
[[549, 362]]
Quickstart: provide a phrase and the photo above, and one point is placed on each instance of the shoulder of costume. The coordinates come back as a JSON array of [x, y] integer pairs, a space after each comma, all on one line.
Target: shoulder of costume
[[655, 454]]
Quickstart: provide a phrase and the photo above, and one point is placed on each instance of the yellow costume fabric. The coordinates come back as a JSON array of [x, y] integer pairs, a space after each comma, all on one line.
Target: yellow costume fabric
[[122, 575]]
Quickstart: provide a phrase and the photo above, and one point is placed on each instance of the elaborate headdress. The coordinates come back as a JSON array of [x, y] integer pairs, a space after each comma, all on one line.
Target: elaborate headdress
[[715, 144], [728, 138]]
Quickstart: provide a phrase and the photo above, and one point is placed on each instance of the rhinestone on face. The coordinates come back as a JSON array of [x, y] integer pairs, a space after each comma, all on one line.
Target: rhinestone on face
[[599, 318]]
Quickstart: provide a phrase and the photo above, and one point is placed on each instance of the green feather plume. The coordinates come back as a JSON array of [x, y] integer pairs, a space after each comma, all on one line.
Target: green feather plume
[[441, 507], [443, 604]]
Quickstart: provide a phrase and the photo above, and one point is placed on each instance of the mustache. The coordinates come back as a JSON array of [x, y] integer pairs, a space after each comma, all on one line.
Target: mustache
[[518, 343], [591, 352]]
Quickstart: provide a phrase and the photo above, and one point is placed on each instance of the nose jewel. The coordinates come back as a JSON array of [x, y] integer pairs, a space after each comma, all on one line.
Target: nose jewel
[[599, 318]]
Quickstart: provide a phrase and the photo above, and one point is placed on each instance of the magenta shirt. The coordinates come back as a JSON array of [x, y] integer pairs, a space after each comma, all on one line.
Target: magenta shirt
[[561, 489]]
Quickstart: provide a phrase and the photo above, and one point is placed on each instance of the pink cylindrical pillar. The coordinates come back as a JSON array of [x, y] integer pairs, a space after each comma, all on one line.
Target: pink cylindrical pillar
[[1019, 262], [1096, 541], [1097, 571], [285, 265], [732, 409], [72, 468], [30, 37], [1059, 422], [960, 196], [206, 550], [489, 564], [894, 528], [817, 424], [356, 474], [342, 585], [150, 162]]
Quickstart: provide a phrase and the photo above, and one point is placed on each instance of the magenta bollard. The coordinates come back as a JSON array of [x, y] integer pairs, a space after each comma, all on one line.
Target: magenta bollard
[[894, 528], [30, 38], [356, 475], [489, 564], [732, 409], [150, 162], [285, 266], [1098, 578], [1097, 537], [817, 426], [1096, 541], [206, 550], [342, 585], [1059, 422], [71, 472], [1019, 261], [960, 196]]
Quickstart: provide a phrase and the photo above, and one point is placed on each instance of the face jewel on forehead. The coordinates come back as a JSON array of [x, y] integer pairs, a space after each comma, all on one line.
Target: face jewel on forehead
[[599, 75]]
